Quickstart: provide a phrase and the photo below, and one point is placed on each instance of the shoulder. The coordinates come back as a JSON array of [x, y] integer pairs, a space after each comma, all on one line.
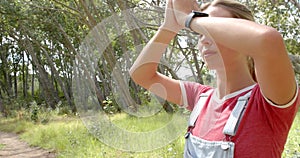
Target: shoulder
[[194, 87], [267, 116], [191, 92], [258, 96]]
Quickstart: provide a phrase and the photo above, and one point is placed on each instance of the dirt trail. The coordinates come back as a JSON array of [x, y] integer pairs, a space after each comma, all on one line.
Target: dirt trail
[[15, 148]]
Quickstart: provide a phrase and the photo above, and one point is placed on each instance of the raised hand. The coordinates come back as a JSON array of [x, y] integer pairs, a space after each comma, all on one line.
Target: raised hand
[[170, 23], [182, 8]]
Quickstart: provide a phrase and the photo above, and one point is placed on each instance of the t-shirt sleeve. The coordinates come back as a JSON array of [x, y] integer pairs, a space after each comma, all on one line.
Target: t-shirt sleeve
[[191, 92], [294, 101], [279, 118]]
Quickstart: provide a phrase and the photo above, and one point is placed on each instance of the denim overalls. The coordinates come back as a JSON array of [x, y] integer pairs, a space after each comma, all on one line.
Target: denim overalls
[[198, 148]]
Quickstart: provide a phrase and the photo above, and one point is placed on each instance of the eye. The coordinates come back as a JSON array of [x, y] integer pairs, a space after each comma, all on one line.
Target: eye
[[201, 37]]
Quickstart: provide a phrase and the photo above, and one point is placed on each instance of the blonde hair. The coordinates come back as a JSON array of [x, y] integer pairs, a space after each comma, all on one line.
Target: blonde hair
[[237, 10]]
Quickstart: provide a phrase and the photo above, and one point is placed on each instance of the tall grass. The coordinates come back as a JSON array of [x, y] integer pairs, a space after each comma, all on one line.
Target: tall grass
[[15, 125], [70, 138]]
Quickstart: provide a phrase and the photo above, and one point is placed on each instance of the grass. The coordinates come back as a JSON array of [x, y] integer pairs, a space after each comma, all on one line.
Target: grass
[[15, 125], [292, 146], [134, 124], [2, 146], [70, 138]]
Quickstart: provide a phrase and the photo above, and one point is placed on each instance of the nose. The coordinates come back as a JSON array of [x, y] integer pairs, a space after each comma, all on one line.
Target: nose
[[205, 41]]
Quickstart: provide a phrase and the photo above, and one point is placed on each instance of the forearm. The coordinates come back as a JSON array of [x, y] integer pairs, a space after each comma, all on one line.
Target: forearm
[[163, 36], [145, 66], [264, 44], [240, 35]]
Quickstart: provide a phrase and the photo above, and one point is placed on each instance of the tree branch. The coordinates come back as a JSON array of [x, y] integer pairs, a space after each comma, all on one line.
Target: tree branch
[[297, 4]]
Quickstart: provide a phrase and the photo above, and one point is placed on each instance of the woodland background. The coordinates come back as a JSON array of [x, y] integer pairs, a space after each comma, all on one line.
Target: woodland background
[[55, 53], [39, 41]]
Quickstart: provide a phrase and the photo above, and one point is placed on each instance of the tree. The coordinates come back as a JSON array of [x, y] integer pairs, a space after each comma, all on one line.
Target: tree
[[40, 40]]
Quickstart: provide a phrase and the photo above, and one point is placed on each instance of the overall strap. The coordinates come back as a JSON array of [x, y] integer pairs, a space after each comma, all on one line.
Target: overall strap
[[198, 108], [236, 115]]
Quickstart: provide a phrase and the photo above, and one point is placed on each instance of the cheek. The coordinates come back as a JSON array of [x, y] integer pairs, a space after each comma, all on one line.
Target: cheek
[[199, 46]]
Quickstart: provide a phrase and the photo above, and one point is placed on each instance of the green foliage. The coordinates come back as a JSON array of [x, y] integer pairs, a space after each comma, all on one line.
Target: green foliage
[[40, 114], [2, 146], [37, 113], [34, 110], [15, 125], [62, 109], [57, 28], [110, 106], [284, 16], [69, 137]]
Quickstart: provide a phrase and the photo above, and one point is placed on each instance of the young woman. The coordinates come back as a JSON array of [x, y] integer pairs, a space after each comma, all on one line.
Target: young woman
[[229, 38]]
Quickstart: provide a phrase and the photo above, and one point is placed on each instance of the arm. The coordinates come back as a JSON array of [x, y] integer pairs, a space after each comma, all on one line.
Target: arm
[[264, 44], [144, 70]]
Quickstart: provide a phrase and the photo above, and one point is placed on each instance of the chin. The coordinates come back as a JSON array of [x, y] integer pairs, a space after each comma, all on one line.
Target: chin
[[214, 63], [213, 67]]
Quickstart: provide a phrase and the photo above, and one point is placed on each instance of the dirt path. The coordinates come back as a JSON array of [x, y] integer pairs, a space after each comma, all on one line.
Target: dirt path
[[15, 148]]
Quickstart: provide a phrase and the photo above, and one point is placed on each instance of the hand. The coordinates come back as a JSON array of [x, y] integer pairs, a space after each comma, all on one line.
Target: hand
[[182, 8], [170, 22]]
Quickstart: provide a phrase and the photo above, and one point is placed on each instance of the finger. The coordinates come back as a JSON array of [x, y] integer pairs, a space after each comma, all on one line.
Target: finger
[[169, 4], [196, 6]]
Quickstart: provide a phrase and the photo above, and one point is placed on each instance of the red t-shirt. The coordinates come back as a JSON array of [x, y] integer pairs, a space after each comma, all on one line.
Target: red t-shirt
[[263, 129]]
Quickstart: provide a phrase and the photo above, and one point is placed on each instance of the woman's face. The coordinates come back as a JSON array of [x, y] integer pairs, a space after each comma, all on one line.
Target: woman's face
[[208, 48]]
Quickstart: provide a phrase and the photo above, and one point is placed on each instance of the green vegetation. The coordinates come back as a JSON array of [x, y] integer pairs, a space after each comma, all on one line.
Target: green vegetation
[[2, 146], [69, 137], [133, 124], [292, 147], [41, 40]]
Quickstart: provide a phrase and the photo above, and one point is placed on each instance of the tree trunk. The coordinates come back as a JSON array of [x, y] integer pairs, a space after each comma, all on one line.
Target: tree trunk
[[59, 80], [102, 40], [198, 67], [15, 81], [9, 85], [1, 105], [32, 81], [48, 89], [24, 78]]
